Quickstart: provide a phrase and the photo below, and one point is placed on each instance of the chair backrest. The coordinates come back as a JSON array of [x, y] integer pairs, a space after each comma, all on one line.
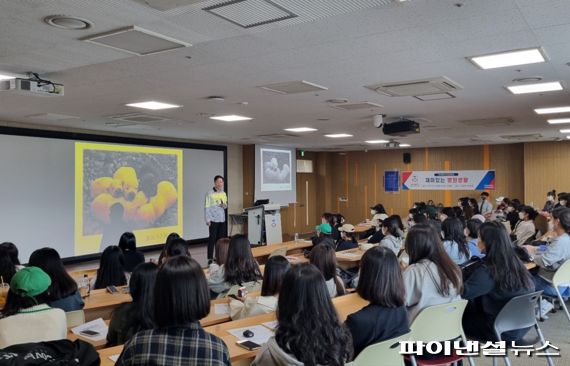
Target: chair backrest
[[518, 313], [387, 351], [439, 322], [281, 251], [562, 275], [75, 318]]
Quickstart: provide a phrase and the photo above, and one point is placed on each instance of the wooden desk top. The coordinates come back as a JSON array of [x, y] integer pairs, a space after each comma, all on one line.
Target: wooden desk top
[[106, 352], [344, 305], [266, 250], [101, 298], [350, 255], [530, 265], [360, 228]]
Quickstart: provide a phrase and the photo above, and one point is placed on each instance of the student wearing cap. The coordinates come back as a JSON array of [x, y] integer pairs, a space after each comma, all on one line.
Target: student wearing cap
[[324, 232], [26, 317], [377, 223], [347, 238]]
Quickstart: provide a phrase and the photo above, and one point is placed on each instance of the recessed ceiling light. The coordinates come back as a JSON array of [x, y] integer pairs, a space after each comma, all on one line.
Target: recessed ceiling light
[[564, 131], [301, 129], [568, 137], [535, 88], [552, 110], [6, 77], [509, 58], [557, 121], [154, 105], [405, 145], [377, 141], [338, 135], [231, 118], [68, 22]]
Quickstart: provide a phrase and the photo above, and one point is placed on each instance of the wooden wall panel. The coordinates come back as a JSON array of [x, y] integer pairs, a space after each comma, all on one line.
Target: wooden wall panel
[[546, 166]]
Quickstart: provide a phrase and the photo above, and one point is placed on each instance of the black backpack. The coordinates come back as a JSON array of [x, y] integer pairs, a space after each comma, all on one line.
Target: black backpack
[[54, 353]]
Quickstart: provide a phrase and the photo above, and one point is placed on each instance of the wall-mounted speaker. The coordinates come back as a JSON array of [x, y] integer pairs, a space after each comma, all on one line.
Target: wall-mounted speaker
[[407, 158]]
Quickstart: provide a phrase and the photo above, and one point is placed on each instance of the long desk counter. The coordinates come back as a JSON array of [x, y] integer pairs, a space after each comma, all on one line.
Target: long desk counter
[[344, 305]]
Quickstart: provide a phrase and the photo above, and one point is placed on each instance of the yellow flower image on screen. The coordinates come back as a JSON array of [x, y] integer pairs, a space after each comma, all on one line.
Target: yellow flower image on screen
[[120, 188]]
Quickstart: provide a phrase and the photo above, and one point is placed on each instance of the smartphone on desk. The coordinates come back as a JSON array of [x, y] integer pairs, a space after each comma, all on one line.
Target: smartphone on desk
[[248, 345], [112, 289], [89, 332]]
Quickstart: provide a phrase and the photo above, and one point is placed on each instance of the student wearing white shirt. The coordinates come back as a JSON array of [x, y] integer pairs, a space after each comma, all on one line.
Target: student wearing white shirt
[[26, 317], [485, 207], [524, 229]]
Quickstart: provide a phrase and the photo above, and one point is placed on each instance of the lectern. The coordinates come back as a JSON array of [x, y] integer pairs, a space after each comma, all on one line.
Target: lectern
[[264, 224]]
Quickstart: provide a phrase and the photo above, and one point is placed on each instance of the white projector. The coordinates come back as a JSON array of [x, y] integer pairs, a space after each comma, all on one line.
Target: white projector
[[32, 87]]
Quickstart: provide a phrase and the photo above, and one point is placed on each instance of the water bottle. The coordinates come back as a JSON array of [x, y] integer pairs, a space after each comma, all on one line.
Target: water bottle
[[296, 237]]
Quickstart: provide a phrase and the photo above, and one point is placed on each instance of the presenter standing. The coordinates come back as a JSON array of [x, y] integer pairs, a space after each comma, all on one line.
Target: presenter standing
[[215, 215]]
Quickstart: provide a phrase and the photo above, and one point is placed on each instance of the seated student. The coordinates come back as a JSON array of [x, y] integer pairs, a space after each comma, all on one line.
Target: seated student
[[513, 212], [347, 238], [275, 270], [324, 235], [169, 238], [454, 242], [555, 255], [377, 237], [330, 219], [7, 268], [63, 292], [177, 247], [324, 258], [392, 234], [220, 256], [419, 219], [381, 283], [131, 317], [471, 230], [240, 268], [499, 278], [563, 199], [181, 299], [474, 206], [309, 331], [111, 270], [26, 317], [133, 257], [550, 201], [524, 230], [447, 212], [431, 278], [12, 251]]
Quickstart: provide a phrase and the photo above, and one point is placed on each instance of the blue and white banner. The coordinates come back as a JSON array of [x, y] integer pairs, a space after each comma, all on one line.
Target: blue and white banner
[[476, 180]]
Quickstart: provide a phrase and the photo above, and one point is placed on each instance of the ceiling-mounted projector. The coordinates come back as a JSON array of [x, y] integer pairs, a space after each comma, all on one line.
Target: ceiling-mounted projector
[[32, 87], [403, 127]]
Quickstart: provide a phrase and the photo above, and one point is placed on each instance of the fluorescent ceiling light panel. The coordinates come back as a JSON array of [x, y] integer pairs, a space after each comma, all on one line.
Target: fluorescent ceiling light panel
[[405, 145], [564, 131], [231, 118], [377, 141], [153, 105], [509, 58], [338, 135], [552, 110], [557, 121], [535, 88], [6, 77], [568, 137], [301, 129]]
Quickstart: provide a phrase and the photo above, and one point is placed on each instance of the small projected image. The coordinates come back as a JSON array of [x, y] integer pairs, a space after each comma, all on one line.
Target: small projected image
[[275, 170], [126, 188]]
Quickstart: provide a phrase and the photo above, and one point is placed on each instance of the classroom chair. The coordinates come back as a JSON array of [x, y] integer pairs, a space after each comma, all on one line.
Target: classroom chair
[[561, 279], [440, 323], [75, 318], [519, 313], [388, 351]]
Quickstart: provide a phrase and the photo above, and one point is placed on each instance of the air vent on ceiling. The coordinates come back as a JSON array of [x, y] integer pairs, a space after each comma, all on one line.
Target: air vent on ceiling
[[358, 105], [436, 128], [293, 87], [413, 88], [250, 13], [488, 122], [138, 118], [163, 5], [527, 137], [430, 97], [277, 136], [50, 117], [136, 41]]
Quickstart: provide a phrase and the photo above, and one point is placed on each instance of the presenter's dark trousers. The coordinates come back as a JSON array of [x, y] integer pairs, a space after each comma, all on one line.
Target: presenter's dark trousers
[[217, 231]]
